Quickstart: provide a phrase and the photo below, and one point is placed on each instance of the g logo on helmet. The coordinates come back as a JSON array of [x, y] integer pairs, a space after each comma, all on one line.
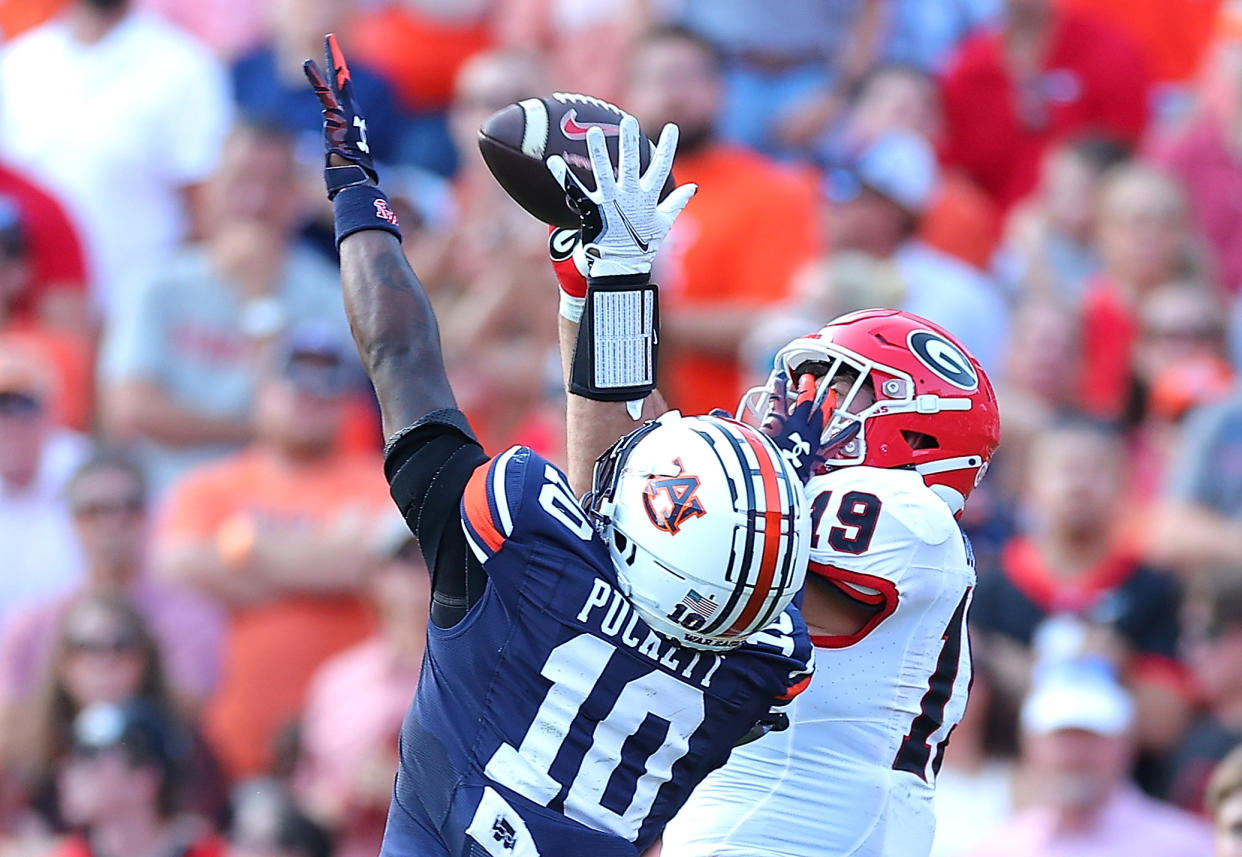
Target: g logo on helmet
[[944, 358], [670, 501]]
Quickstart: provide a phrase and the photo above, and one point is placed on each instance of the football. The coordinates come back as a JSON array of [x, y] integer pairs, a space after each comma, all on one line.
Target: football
[[517, 140]]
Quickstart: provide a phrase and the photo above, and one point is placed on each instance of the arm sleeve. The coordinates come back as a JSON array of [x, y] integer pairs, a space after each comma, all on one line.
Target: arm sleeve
[[428, 466]]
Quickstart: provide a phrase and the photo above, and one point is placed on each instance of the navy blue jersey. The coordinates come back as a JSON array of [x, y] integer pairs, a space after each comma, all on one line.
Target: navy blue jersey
[[551, 719]]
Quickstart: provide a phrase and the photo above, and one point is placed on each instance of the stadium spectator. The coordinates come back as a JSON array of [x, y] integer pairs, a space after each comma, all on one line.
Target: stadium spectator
[[1050, 241], [178, 366], [119, 786], [268, 823], [108, 501], [1145, 240], [1070, 580], [1180, 362], [1225, 803], [280, 534], [1037, 382], [499, 345], [356, 702], [36, 460], [1212, 641], [784, 63], [875, 206], [1200, 522], [736, 249], [1077, 745], [421, 46], [960, 218], [1047, 73], [103, 653], [71, 86], [268, 83], [1206, 154], [53, 325]]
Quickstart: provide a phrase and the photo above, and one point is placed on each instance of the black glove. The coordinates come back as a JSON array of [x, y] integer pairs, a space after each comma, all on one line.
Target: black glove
[[344, 128]]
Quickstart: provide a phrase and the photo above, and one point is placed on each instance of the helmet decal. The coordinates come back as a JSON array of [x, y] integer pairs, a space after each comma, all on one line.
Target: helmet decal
[[944, 358], [671, 501]]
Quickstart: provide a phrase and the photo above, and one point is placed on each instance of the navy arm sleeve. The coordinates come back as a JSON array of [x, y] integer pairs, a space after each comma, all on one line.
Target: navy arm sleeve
[[428, 465]]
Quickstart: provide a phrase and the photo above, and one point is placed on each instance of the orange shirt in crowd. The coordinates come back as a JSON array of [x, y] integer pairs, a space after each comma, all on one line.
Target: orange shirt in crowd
[[272, 649], [738, 243], [1173, 36], [418, 54]]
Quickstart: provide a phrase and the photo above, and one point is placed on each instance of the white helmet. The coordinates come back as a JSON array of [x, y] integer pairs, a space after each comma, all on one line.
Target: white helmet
[[707, 526]]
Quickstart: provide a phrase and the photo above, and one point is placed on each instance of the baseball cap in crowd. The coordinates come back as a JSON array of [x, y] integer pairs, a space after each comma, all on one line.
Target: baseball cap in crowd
[[143, 731], [312, 359], [1081, 694], [899, 166]]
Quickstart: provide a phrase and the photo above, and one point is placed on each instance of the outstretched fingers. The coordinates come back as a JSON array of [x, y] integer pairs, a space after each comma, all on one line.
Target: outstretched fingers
[[601, 163], [315, 75], [627, 154]]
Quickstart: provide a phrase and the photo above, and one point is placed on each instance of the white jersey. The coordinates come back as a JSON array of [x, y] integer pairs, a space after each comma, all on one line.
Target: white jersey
[[854, 774]]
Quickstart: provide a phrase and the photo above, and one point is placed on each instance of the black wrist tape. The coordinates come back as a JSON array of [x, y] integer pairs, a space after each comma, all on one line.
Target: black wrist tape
[[615, 357], [363, 207]]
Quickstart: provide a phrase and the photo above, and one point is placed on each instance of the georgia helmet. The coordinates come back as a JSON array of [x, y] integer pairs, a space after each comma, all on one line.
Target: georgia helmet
[[934, 408], [707, 526]]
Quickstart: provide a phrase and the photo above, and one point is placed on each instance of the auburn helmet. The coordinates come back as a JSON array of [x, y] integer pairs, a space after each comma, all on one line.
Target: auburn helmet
[[707, 525], [934, 408]]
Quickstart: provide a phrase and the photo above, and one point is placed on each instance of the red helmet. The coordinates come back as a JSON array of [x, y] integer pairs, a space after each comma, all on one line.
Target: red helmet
[[934, 406]]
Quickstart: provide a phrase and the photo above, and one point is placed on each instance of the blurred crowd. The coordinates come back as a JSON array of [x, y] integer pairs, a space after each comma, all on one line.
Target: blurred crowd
[[210, 614]]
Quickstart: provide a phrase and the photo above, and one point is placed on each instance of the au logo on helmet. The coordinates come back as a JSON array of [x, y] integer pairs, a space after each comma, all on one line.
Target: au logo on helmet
[[944, 358], [670, 501]]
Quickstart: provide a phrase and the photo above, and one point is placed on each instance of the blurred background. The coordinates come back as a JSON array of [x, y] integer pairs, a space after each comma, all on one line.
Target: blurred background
[[211, 619]]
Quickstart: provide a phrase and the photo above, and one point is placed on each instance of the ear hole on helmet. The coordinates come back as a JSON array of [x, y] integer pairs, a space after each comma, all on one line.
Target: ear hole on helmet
[[622, 543], [919, 440]]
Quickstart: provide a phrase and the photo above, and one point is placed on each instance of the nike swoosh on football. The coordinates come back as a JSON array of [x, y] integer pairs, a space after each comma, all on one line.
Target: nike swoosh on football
[[629, 227], [573, 131]]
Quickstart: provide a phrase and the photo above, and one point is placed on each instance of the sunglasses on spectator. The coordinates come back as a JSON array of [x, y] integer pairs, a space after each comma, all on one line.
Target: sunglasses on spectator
[[118, 644], [127, 506], [19, 405]]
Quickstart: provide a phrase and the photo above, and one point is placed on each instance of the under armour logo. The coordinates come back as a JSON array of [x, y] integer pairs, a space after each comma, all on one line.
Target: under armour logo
[[798, 448], [361, 125], [383, 212], [504, 833]]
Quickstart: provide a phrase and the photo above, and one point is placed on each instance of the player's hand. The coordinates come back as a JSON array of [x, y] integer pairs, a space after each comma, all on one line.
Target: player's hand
[[623, 219], [798, 429], [347, 154]]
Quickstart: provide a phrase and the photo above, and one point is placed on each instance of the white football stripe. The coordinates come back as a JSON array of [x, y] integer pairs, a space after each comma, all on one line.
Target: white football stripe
[[535, 132], [498, 490]]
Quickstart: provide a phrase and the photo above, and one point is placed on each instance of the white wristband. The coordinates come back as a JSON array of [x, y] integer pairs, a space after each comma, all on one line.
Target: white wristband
[[571, 308]]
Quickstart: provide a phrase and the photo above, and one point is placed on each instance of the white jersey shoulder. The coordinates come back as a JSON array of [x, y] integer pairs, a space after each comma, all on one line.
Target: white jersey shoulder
[[854, 773]]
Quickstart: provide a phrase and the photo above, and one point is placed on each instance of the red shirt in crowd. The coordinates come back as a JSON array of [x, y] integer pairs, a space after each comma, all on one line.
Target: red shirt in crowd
[[1094, 79]]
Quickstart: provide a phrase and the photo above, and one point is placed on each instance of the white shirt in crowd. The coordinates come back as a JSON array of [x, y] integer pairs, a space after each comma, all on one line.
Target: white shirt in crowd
[[116, 130]]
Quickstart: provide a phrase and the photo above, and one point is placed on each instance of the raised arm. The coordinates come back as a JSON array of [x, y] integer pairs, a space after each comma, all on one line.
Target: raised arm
[[389, 313], [609, 325]]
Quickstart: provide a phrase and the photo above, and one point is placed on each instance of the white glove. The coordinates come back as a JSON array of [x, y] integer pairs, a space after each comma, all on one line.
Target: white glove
[[624, 221]]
